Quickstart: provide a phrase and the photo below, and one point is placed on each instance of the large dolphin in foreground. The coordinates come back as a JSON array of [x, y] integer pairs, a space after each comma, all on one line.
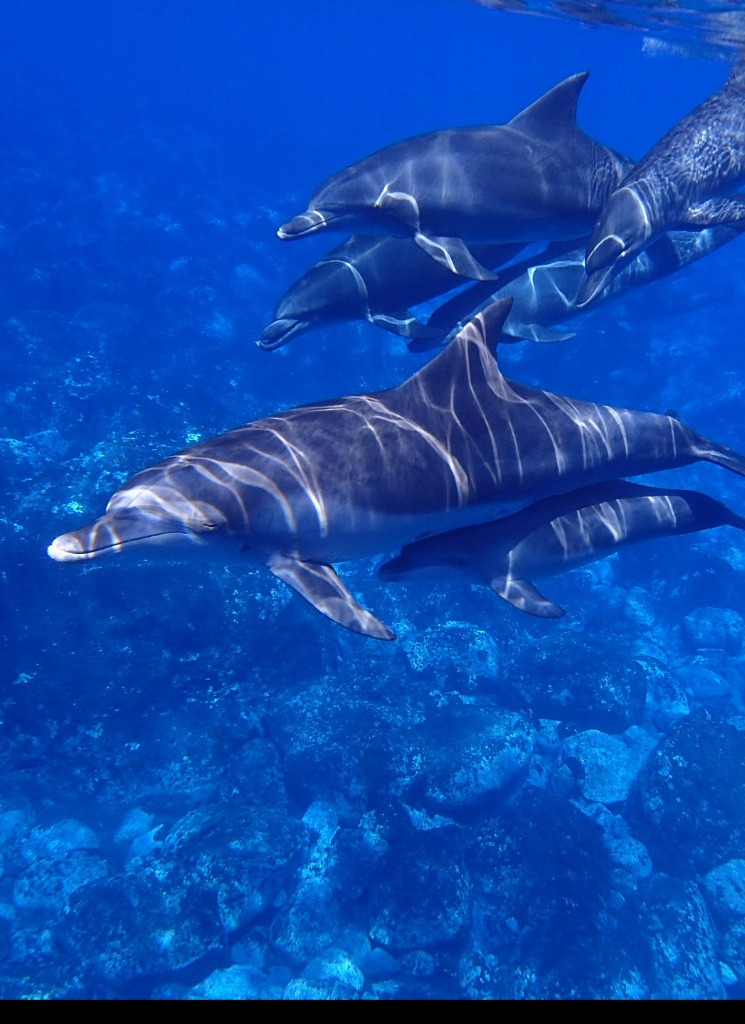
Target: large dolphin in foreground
[[686, 180], [455, 444], [373, 278], [554, 535], [546, 292], [536, 178]]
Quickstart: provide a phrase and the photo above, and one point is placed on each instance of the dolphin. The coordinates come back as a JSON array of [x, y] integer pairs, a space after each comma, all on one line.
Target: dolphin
[[373, 278], [453, 445], [554, 535], [545, 293], [536, 178], [686, 180]]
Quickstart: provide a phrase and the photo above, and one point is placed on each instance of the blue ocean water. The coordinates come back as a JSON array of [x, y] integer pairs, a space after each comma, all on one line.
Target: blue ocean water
[[211, 791]]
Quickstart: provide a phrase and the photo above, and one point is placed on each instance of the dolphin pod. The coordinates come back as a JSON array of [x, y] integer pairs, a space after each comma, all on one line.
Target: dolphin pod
[[455, 444], [554, 535], [685, 181], [538, 177]]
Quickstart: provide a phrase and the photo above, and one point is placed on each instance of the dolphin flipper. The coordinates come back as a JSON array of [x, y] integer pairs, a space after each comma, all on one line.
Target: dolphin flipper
[[534, 332], [523, 595], [319, 584], [721, 210], [403, 323], [453, 253]]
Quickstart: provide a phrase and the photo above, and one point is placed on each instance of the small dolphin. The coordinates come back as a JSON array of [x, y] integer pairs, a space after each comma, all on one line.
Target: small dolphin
[[455, 444], [373, 278], [685, 181], [546, 293], [538, 177], [554, 535]]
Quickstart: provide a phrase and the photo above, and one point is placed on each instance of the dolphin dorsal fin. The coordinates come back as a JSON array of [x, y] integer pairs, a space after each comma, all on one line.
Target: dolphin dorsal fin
[[472, 350], [555, 113]]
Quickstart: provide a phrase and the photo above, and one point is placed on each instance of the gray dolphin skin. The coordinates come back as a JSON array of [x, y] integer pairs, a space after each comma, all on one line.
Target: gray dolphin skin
[[546, 293], [373, 278], [555, 535], [686, 180], [536, 178], [453, 445]]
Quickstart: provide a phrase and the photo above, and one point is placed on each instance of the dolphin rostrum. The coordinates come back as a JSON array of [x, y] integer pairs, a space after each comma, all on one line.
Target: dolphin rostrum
[[686, 180], [536, 178], [455, 444], [554, 535], [545, 292], [373, 278]]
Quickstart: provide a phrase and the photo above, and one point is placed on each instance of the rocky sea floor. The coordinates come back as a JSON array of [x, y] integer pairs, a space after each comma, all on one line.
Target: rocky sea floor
[[208, 791]]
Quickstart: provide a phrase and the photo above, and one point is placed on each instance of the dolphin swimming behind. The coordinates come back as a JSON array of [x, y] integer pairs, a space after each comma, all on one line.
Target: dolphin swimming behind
[[536, 178], [453, 445], [545, 292], [373, 278], [687, 180], [554, 535]]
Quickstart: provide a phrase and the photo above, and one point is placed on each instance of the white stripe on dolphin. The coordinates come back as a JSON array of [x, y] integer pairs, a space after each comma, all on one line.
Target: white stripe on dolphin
[[455, 444], [686, 180], [537, 177], [554, 535]]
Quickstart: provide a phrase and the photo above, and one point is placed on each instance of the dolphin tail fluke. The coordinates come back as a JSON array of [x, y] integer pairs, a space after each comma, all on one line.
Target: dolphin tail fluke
[[319, 584], [453, 253], [403, 323], [521, 594], [710, 451]]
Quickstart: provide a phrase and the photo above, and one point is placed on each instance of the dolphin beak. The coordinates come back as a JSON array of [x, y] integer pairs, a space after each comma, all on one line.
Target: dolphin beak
[[114, 532], [304, 224], [279, 332], [600, 265]]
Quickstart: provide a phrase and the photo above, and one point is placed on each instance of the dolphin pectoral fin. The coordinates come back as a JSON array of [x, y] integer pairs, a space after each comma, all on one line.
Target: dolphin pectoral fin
[[523, 595], [319, 584], [453, 253], [403, 323], [722, 210], [534, 332]]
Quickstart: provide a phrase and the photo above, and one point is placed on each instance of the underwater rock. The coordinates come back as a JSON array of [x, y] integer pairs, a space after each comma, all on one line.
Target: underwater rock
[[606, 765], [702, 679], [721, 628], [688, 802], [217, 869], [48, 883], [336, 743], [676, 940], [666, 697], [254, 775], [540, 878], [422, 899], [472, 753], [569, 679], [454, 656], [57, 840], [725, 887], [238, 982]]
